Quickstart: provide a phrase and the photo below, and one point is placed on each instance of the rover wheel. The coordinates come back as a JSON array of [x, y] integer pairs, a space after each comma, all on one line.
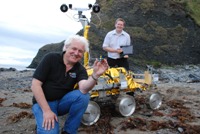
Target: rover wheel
[[125, 105], [155, 101], [91, 114]]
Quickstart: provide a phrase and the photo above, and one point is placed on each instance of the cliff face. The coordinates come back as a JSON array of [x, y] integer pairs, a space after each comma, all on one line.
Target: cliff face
[[54, 47], [162, 32]]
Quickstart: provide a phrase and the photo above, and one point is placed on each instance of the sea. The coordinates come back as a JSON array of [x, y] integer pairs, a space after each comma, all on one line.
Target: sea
[[17, 67]]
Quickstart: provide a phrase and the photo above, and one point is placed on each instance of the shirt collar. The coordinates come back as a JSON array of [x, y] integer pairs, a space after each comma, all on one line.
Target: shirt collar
[[61, 57], [115, 32]]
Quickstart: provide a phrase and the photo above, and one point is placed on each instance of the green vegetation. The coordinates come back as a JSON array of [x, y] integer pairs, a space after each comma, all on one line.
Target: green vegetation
[[166, 50], [161, 32], [109, 24], [142, 62], [155, 64], [147, 5], [106, 4], [193, 8], [138, 32]]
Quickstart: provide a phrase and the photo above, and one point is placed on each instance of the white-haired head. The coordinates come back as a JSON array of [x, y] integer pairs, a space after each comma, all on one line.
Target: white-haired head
[[78, 38]]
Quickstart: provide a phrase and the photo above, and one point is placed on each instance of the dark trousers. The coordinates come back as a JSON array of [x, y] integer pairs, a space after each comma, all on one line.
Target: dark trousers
[[121, 62]]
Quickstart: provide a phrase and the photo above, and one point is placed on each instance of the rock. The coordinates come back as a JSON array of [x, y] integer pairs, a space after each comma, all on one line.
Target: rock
[[53, 47], [7, 69]]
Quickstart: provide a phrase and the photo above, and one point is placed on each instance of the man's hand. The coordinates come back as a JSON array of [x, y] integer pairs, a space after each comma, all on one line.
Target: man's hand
[[49, 120], [100, 67], [125, 56], [119, 50]]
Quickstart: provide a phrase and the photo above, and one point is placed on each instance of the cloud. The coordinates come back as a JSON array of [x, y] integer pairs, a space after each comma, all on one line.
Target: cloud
[[15, 56], [20, 38], [27, 25], [39, 18]]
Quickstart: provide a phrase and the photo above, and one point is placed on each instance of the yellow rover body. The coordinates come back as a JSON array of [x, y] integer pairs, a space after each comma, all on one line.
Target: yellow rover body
[[117, 80]]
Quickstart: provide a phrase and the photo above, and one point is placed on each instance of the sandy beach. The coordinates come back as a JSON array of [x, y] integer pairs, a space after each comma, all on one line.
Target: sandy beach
[[179, 112]]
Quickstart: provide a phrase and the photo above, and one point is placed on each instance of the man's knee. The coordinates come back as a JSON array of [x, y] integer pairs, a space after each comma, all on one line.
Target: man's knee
[[83, 97]]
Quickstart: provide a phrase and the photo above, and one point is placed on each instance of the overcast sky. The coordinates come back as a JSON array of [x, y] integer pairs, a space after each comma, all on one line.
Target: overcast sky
[[27, 25]]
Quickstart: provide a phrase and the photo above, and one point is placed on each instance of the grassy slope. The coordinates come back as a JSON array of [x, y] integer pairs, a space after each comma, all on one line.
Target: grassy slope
[[193, 9]]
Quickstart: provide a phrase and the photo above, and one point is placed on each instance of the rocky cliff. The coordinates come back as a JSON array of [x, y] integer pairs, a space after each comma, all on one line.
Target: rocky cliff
[[162, 32]]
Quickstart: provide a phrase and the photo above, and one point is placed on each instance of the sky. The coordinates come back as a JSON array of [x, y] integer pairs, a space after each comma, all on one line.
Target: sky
[[27, 25]]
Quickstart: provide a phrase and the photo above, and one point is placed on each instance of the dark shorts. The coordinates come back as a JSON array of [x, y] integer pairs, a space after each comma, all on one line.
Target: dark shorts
[[121, 62]]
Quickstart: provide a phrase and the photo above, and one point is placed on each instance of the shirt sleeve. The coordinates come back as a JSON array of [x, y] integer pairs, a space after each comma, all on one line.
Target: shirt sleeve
[[128, 40], [43, 68], [106, 41], [82, 75]]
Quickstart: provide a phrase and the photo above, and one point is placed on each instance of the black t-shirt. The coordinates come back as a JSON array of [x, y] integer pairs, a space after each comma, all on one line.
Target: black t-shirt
[[56, 82]]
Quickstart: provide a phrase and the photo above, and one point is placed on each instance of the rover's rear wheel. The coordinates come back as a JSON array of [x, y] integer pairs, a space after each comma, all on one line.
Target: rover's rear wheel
[[155, 101]]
